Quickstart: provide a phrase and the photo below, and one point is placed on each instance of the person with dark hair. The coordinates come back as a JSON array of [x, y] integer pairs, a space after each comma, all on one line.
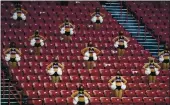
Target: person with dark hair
[[55, 70], [12, 54], [118, 84], [37, 41], [151, 69], [97, 17], [164, 58], [121, 42], [90, 55], [18, 13], [80, 97], [67, 30]]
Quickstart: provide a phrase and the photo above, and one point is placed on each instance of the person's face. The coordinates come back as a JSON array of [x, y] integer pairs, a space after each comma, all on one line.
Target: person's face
[[151, 61], [36, 33], [13, 45], [81, 88], [90, 44], [56, 60]]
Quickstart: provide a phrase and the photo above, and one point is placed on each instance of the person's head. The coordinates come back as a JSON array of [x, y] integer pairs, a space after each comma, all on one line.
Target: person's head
[[118, 73], [97, 9], [56, 59], [66, 20], [151, 59], [12, 45], [18, 7], [81, 88], [166, 48], [90, 44], [36, 33], [120, 33]]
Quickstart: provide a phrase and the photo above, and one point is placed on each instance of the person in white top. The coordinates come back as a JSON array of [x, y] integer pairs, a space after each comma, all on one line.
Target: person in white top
[[118, 84], [164, 58], [90, 55], [97, 17], [151, 69], [80, 97], [67, 29], [12, 55], [19, 13], [55, 69], [121, 42], [37, 41]]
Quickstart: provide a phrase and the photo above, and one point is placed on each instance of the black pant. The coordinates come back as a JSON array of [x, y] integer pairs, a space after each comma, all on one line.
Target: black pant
[[64, 3], [81, 103]]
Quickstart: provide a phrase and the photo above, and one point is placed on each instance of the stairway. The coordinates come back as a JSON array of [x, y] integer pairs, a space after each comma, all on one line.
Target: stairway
[[5, 93], [131, 25]]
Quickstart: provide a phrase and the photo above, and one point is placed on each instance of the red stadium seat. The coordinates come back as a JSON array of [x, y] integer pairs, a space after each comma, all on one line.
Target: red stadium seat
[[49, 86], [85, 79], [127, 100], [75, 79], [116, 100], [167, 99], [137, 100], [92, 86], [43, 78], [102, 86], [130, 93], [98, 93], [37, 102], [54, 93], [83, 72], [151, 93], [105, 100], [95, 79], [161, 93], [95, 100], [32, 94], [71, 86], [32, 78], [60, 101], [49, 101], [148, 101], [159, 100], [27, 86], [140, 93], [65, 93], [38, 86], [43, 94]]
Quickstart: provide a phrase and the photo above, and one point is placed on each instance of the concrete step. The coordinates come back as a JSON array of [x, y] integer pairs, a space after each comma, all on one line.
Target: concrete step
[[11, 103], [125, 20], [116, 9], [116, 12], [134, 29], [121, 17], [113, 3], [108, 6]]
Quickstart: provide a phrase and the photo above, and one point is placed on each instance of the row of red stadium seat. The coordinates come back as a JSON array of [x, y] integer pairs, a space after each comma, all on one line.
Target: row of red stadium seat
[[107, 101]]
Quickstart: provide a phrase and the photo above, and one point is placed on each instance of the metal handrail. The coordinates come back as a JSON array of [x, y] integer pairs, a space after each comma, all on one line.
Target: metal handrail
[[11, 93], [3, 76]]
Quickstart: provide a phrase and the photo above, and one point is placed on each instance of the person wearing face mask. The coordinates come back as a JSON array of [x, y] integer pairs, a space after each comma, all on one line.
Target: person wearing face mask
[[67, 30], [80, 97], [121, 42], [37, 41], [12, 55], [118, 84], [18, 13], [54, 69], [97, 17], [164, 57], [90, 55], [151, 69]]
